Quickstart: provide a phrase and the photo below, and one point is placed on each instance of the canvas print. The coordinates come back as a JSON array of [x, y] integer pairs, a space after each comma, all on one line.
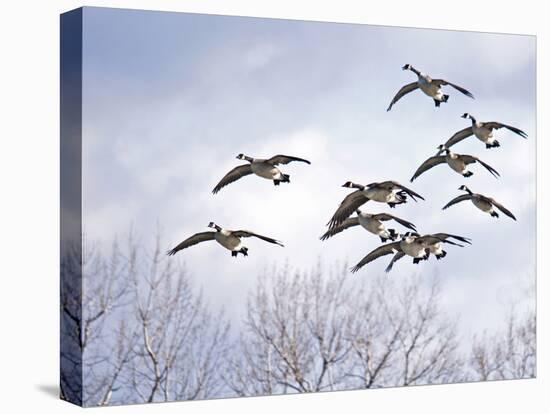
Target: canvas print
[[265, 206]]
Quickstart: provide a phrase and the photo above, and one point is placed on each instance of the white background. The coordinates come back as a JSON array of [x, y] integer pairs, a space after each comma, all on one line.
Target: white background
[[29, 213]]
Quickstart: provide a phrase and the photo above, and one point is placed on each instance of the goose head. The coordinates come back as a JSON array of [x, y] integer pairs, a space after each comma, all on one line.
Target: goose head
[[348, 184], [464, 188], [466, 115], [241, 157], [214, 226], [442, 148], [407, 67]]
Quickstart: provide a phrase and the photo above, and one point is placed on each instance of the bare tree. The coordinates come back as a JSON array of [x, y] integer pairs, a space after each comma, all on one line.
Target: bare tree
[[314, 331], [507, 354], [180, 345]]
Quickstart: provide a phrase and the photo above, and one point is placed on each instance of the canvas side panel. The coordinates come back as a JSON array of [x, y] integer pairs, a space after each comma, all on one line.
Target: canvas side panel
[[71, 207]]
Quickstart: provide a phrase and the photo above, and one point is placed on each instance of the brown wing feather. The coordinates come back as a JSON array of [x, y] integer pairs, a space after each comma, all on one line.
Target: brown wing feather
[[376, 253], [351, 203], [402, 92], [426, 165], [233, 175], [458, 88], [498, 125], [247, 233], [502, 208], [387, 217], [470, 159], [285, 159], [349, 222], [456, 200], [459, 136], [191, 241]]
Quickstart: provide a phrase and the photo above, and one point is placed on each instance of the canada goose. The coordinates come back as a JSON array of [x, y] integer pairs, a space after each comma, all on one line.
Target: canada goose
[[230, 239], [372, 223], [414, 245], [390, 192], [431, 87], [265, 168], [434, 243], [484, 203], [458, 162], [482, 131]]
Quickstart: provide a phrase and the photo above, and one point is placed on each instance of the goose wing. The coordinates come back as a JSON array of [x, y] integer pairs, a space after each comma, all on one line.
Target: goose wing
[[233, 175], [470, 159], [387, 217], [285, 159], [458, 199], [395, 258], [444, 236], [426, 165], [392, 185], [376, 253], [442, 82], [498, 125], [502, 208], [459, 136], [191, 241], [247, 233], [431, 239], [349, 222], [351, 203], [402, 92]]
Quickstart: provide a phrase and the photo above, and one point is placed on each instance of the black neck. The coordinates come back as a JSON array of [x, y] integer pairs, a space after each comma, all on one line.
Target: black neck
[[415, 70]]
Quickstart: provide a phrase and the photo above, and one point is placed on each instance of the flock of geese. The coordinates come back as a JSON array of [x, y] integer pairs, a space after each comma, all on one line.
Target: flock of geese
[[411, 243]]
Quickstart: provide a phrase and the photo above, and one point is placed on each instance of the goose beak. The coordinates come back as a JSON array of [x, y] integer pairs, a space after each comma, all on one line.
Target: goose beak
[[464, 115]]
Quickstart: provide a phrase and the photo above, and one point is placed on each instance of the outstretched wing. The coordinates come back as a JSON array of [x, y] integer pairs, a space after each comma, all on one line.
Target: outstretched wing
[[502, 208], [431, 239], [247, 233], [390, 185], [445, 236], [376, 253], [498, 125], [458, 199], [395, 258], [426, 165], [285, 159], [470, 159], [349, 222], [459, 136], [233, 175], [402, 92], [442, 82], [191, 241], [351, 203], [387, 217]]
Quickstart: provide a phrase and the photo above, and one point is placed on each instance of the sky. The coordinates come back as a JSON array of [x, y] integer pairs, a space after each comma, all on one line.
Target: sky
[[170, 99]]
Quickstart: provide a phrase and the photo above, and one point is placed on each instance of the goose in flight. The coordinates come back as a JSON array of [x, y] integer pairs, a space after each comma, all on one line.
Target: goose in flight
[[431, 87], [482, 131], [230, 239], [457, 162], [372, 223], [434, 243], [390, 192], [413, 245], [265, 168], [484, 203]]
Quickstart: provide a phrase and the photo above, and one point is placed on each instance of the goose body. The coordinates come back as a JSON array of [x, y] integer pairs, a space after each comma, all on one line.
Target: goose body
[[430, 87], [264, 168], [373, 223], [483, 131], [457, 162], [389, 192], [483, 203], [229, 239]]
